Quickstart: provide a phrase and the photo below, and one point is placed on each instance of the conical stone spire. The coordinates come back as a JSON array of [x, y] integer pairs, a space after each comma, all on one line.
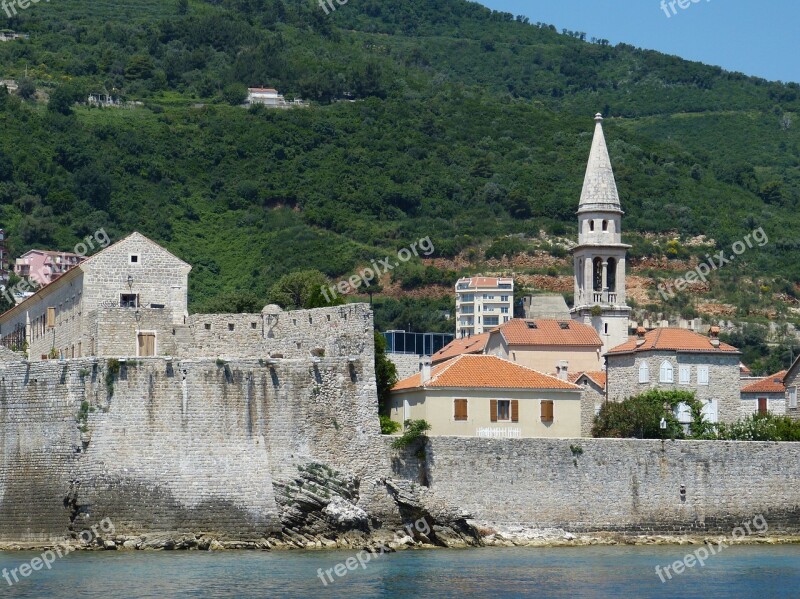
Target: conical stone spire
[[599, 187]]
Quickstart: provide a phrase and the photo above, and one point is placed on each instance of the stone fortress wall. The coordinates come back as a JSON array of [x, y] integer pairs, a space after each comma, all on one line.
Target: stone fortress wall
[[189, 444], [203, 443]]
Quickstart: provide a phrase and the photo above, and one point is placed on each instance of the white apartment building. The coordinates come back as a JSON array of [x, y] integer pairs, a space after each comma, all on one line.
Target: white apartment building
[[483, 303]]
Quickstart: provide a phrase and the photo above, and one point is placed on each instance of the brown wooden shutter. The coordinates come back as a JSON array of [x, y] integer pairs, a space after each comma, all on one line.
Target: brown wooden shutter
[[514, 410], [547, 411], [762, 405], [51, 317], [460, 407], [493, 410]]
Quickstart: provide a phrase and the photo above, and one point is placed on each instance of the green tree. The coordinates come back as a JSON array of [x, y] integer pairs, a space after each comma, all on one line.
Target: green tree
[[26, 88], [640, 416], [299, 290], [236, 302], [234, 94], [385, 374]]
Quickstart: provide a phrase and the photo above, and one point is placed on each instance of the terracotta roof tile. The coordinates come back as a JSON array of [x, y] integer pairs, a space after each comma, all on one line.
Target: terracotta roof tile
[[672, 339], [769, 384], [484, 372], [598, 377], [466, 345], [519, 331]]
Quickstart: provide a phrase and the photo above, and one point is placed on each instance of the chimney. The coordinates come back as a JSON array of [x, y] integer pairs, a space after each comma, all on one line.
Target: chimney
[[563, 370], [714, 334], [640, 332], [425, 370]]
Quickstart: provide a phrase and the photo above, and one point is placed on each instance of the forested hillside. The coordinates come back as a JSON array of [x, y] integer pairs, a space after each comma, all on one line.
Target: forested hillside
[[427, 118]]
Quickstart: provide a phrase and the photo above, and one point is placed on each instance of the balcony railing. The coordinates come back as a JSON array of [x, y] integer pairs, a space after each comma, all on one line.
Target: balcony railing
[[604, 297], [499, 433]]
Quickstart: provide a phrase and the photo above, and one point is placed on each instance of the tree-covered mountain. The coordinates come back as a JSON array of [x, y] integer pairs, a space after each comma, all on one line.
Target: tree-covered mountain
[[440, 119]]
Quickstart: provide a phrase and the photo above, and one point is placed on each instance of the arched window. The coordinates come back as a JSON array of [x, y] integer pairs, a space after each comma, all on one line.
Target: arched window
[[611, 276], [605, 225], [605, 328], [591, 225], [666, 375], [598, 274], [644, 373]]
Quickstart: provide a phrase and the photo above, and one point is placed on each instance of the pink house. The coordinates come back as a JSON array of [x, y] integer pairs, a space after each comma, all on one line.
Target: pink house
[[43, 266]]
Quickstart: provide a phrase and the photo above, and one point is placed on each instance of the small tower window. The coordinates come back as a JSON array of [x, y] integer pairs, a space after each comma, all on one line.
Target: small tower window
[[591, 225], [605, 225]]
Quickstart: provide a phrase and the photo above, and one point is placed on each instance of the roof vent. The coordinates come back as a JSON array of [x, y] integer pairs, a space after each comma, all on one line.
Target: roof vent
[[640, 333], [531, 325], [714, 334], [564, 325]]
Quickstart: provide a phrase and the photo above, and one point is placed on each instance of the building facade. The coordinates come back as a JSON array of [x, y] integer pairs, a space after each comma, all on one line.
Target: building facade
[[551, 346], [600, 255], [677, 359], [792, 382], [764, 395], [44, 266], [485, 396], [483, 303]]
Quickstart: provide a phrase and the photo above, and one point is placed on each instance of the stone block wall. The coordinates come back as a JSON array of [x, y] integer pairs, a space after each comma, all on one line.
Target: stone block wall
[[406, 364], [178, 445], [625, 485]]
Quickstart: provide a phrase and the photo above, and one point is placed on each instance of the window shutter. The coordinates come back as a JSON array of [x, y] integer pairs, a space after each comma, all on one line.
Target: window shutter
[[514, 410], [493, 410], [793, 397], [51, 317], [460, 409], [547, 411]]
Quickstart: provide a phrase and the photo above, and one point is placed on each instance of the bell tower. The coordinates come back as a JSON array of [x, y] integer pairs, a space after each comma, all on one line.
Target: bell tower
[[600, 254]]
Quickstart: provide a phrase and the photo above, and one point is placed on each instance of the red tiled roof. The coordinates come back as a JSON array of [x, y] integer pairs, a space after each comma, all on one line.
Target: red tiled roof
[[486, 281], [598, 377], [519, 331], [262, 89], [484, 372], [769, 384], [465, 345], [672, 339], [744, 370]]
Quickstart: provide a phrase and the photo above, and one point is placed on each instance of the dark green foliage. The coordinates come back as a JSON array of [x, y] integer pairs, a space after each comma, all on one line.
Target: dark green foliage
[[415, 430], [758, 427], [389, 426], [640, 416], [236, 302], [467, 125], [385, 374], [506, 247]]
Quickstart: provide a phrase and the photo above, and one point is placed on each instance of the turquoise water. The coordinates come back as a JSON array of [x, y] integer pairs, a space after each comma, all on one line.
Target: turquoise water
[[755, 571]]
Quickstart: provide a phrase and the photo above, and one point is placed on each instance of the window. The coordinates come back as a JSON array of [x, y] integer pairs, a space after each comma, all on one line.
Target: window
[[702, 375], [128, 300], [491, 321], [503, 298], [644, 373], [460, 410], [793, 397], [503, 310], [605, 225], [231, 326], [134, 258], [591, 225], [51, 317], [605, 328], [547, 411], [207, 326], [253, 325], [666, 374], [762, 406], [684, 374], [503, 410]]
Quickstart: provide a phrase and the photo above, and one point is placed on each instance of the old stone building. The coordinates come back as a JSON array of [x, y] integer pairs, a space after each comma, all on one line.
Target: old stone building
[[764, 395], [130, 300], [592, 398], [682, 360], [792, 381]]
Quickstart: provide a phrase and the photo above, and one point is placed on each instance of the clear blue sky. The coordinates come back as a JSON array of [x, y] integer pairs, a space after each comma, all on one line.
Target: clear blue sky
[[756, 37]]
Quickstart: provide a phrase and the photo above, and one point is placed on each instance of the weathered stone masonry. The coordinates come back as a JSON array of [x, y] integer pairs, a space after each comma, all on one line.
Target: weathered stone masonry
[[623, 485]]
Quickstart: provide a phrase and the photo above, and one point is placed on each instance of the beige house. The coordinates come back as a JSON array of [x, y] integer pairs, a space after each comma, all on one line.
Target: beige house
[[486, 396], [552, 346]]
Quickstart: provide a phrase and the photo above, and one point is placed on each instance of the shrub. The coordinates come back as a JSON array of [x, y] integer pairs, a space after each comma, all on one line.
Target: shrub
[[758, 427], [640, 416], [389, 426], [415, 429]]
